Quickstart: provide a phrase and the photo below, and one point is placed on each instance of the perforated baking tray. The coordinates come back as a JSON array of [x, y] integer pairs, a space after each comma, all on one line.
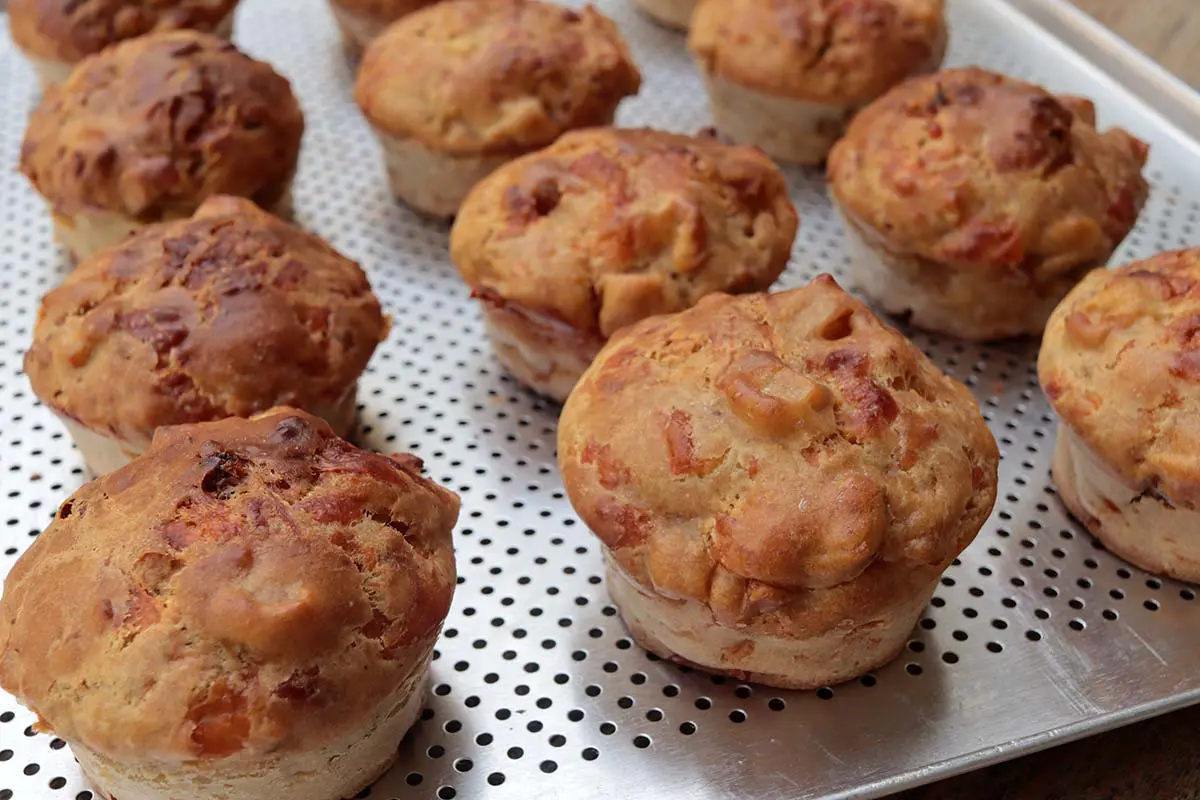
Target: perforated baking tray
[[1035, 637]]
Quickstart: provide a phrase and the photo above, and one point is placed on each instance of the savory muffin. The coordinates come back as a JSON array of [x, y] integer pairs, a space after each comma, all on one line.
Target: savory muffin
[[778, 482], [606, 227], [248, 599], [361, 21], [1120, 363], [55, 35], [149, 128], [786, 75], [226, 314], [676, 14], [974, 202], [457, 89]]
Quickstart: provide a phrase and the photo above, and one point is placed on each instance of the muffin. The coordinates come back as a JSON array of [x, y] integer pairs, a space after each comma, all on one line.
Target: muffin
[[55, 35], [974, 202], [248, 600], [226, 314], [1120, 363], [606, 227], [149, 128], [455, 90], [786, 75], [361, 21], [675, 14], [778, 481]]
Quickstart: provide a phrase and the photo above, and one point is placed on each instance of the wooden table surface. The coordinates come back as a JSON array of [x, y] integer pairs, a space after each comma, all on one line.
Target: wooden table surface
[[1158, 759]]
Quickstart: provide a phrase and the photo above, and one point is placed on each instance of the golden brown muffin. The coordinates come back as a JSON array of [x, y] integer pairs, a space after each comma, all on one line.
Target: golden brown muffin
[[248, 599], [455, 90], [57, 34], [1120, 363], [361, 21], [787, 75], [226, 314], [778, 481], [147, 129], [607, 227], [974, 202]]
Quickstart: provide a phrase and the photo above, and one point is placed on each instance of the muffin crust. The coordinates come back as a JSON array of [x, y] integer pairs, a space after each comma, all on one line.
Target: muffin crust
[[151, 127], [247, 589], [225, 314], [786, 461], [70, 30], [475, 77]]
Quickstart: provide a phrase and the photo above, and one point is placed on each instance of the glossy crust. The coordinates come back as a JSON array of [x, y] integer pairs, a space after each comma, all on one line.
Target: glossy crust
[[1120, 363], [71, 30], [471, 77], [151, 127], [609, 226], [973, 171], [845, 52], [225, 314], [246, 588], [787, 460]]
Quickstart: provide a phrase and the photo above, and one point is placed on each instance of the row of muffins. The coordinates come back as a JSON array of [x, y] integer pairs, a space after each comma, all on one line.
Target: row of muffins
[[710, 558]]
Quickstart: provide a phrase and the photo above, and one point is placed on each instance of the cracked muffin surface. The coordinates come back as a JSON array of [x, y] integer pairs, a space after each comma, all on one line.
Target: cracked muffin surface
[[609, 226], [787, 460], [151, 127], [71, 30], [470, 77], [836, 51], [1120, 364], [978, 171], [224, 314], [247, 588]]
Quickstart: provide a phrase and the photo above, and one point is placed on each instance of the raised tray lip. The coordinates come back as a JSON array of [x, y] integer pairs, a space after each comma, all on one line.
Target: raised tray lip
[[1177, 102]]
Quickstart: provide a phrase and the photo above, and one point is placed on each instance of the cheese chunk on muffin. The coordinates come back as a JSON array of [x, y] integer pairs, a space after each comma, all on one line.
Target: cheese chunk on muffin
[[226, 314], [1120, 363], [455, 90], [606, 227], [361, 21], [974, 202], [778, 481], [55, 35], [246, 611], [786, 75], [148, 129]]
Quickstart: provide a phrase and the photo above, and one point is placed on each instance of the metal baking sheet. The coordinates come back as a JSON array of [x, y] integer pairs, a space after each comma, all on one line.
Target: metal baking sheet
[[1036, 636]]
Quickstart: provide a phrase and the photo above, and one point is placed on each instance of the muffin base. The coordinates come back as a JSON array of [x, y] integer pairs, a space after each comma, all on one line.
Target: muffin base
[[52, 71], [674, 14], [684, 631], [1144, 528], [339, 770], [89, 232], [429, 181], [546, 355], [103, 453], [956, 301], [787, 129]]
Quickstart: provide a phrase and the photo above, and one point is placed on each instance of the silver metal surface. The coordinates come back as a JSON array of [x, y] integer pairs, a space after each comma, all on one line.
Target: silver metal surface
[[1037, 636]]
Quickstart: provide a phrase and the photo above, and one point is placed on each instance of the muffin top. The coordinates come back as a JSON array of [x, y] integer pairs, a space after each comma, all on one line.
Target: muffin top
[[751, 449], [608, 226], [152, 126], [494, 76], [225, 314], [1120, 363], [245, 587], [71, 30], [976, 170], [832, 51]]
